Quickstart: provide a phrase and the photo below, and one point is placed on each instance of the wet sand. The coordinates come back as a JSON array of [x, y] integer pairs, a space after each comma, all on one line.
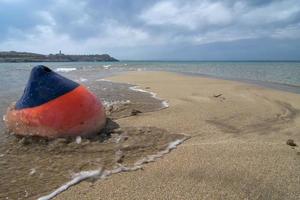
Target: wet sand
[[32, 167], [237, 148]]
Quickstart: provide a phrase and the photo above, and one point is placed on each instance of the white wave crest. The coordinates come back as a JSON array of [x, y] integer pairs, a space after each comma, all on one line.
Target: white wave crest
[[106, 66], [65, 69], [103, 79]]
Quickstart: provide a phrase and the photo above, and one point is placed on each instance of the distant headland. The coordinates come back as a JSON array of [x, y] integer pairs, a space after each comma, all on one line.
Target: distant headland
[[14, 56]]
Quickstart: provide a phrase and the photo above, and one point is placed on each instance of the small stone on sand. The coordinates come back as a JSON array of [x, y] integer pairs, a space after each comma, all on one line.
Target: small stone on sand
[[217, 95], [78, 139], [32, 171], [135, 112], [291, 142]]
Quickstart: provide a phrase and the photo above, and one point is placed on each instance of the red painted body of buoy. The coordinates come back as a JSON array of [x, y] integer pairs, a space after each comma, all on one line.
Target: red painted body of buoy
[[75, 113]]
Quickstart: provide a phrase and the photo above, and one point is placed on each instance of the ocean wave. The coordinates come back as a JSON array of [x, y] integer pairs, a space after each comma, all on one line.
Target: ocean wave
[[103, 79], [106, 66], [65, 69]]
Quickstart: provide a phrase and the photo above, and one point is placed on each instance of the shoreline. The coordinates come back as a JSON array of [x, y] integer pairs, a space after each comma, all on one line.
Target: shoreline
[[237, 148], [265, 84], [295, 89], [284, 85], [43, 160]]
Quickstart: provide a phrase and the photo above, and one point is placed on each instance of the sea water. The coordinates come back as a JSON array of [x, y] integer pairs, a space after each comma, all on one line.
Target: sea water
[[32, 167], [279, 75], [13, 76], [57, 156]]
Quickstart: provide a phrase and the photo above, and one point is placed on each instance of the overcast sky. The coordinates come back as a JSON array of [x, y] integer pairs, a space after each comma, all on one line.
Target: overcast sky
[[151, 29]]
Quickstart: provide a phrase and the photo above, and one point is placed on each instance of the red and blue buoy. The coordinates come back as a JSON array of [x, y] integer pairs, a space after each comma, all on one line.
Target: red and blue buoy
[[54, 106]]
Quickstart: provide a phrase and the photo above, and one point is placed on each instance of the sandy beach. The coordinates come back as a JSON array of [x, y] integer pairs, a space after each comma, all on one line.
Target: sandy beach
[[237, 148]]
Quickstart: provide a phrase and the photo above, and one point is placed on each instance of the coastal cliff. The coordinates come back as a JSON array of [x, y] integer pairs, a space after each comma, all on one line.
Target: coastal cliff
[[13, 56]]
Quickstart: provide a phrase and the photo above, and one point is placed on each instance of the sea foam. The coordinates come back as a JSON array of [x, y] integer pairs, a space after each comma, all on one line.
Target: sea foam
[[65, 69], [82, 79], [106, 66], [102, 174], [111, 103], [164, 103]]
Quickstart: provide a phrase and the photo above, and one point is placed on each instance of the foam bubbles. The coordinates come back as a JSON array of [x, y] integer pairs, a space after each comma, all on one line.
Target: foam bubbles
[[111, 103], [76, 179], [102, 174], [65, 69], [106, 66], [103, 79], [154, 95], [83, 79]]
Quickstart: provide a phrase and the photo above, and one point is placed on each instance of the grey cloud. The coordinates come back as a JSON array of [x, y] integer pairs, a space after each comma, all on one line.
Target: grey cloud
[[149, 29]]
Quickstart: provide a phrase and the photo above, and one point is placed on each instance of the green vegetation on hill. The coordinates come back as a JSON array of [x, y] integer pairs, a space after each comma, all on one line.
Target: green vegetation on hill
[[13, 56]]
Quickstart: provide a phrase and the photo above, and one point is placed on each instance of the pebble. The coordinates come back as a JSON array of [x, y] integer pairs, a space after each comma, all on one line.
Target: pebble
[[32, 171], [291, 142], [78, 139]]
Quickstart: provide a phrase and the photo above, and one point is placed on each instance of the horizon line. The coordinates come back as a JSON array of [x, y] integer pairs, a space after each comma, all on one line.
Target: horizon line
[[211, 60]]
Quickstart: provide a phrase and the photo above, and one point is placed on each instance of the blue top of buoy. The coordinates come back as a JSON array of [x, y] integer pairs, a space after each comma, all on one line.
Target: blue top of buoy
[[44, 85]]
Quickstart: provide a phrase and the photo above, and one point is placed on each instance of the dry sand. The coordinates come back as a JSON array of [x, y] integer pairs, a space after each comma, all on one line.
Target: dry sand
[[237, 148]]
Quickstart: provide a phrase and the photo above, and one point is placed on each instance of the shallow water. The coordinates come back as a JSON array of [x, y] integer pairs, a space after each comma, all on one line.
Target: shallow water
[[32, 167], [278, 75]]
